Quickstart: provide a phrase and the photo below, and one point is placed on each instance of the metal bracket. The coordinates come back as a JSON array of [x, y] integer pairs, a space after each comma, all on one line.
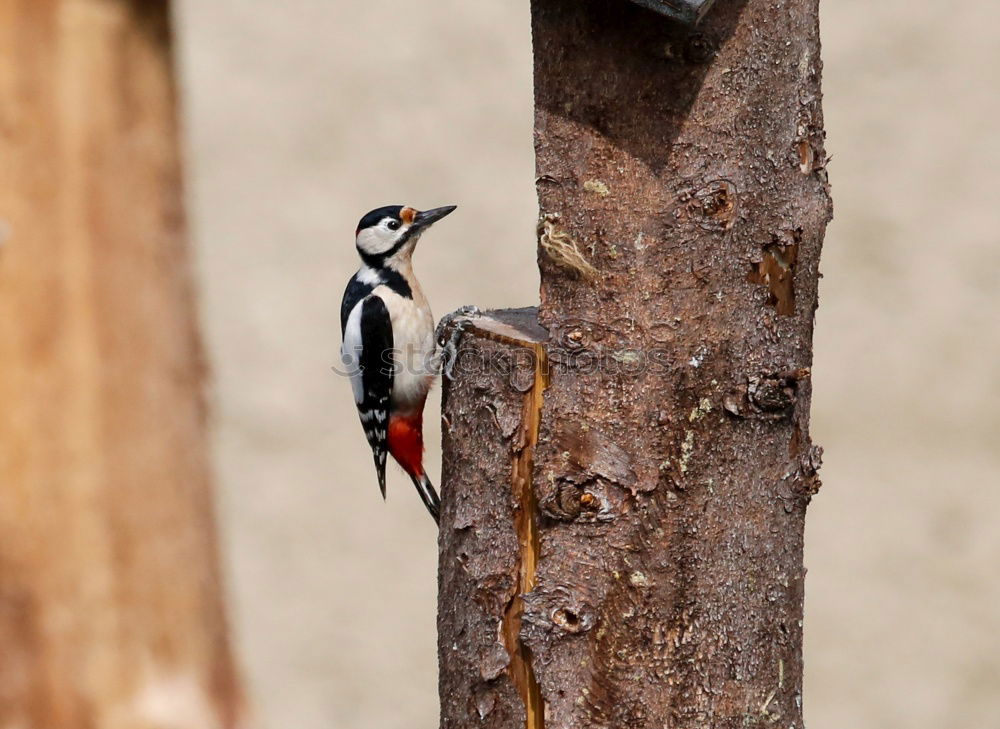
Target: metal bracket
[[686, 11]]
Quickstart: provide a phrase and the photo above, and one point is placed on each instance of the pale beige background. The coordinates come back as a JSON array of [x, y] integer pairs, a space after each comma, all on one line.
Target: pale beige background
[[301, 115]]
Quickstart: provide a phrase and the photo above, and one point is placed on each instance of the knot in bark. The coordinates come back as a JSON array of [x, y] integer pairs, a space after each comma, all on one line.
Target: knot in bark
[[768, 397], [559, 610], [571, 502]]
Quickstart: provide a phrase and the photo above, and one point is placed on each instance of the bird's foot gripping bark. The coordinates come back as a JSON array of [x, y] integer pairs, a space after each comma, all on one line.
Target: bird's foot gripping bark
[[448, 334]]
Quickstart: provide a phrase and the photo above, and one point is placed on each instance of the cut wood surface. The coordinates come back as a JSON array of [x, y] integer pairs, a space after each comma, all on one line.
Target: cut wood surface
[[110, 598]]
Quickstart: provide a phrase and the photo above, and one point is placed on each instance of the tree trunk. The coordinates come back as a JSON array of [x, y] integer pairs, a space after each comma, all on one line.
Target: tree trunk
[[621, 542], [110, 601]]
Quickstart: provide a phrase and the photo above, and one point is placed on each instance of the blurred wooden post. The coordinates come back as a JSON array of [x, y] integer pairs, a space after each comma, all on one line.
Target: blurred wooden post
[[626, 470], [110, 601]]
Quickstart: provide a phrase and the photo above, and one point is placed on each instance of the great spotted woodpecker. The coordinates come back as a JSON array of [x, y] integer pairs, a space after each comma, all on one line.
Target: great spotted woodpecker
[[389, 347]]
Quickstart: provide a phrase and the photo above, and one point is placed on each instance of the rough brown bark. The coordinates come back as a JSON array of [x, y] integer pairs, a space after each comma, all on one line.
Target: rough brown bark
[[110, 602], [488, 547], [683, 203]]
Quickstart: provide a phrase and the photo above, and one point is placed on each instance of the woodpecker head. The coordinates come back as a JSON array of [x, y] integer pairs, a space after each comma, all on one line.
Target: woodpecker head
[[389, 234]]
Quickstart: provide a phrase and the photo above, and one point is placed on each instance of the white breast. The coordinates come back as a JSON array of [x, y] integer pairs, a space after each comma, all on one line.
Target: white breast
[[413, 342]]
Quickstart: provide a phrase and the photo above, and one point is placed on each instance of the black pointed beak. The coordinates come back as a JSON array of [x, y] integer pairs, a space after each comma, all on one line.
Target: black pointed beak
[[426, 218]]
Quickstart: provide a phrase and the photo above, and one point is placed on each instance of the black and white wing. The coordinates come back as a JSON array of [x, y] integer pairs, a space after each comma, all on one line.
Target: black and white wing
[[367, 352], [356, 290]]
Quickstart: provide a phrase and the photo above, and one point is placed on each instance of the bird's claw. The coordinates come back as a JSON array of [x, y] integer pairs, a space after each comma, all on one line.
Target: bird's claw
[[453, 326], [464, 312]]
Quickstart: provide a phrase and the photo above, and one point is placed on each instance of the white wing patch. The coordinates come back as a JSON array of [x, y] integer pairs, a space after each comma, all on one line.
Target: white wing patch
[[351, 351]]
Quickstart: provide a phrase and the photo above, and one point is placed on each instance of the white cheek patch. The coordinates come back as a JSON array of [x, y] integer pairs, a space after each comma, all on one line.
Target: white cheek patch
[[376, 240], [379, 240]]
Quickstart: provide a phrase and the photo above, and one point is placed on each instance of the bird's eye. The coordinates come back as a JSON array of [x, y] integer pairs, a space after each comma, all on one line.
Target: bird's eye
[[393, 225]]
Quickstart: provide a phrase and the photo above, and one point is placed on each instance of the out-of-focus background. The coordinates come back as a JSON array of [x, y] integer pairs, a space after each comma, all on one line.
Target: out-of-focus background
[[302, 115]]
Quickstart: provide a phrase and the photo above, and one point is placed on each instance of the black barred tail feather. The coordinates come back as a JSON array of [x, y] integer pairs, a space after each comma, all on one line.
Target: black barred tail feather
[[429, 496], [379, 455]]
